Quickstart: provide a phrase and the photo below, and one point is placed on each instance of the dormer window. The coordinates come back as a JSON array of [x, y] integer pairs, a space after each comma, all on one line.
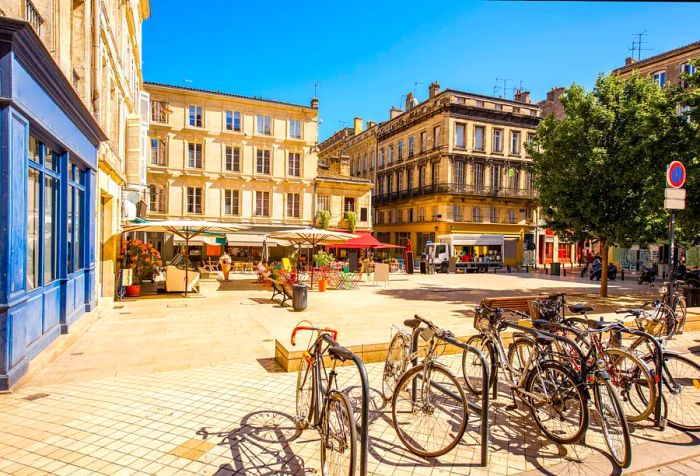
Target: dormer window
[[659, 78]]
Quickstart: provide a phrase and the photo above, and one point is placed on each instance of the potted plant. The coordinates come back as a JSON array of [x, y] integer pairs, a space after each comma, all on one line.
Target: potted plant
[[142, 258], [322, 260], [351, 218], [324, 219]]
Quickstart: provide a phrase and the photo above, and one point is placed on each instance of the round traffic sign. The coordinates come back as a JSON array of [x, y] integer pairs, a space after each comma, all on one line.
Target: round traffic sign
[[675, 174]]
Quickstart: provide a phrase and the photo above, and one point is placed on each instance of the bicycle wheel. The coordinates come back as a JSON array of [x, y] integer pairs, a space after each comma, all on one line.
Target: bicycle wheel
[[395, 364], [613, 422], [681, 314], [519, 353], [304, 394], [429, 410], [471, 365], [559, 406], [338, 436], [633, 383], [681, 379]]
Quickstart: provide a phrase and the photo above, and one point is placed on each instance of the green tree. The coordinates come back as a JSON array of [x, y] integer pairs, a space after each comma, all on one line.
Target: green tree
[[600, 170]]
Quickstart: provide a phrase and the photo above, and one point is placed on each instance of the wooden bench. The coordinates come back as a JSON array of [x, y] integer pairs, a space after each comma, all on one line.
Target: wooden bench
[[282, 289], [515, 303]]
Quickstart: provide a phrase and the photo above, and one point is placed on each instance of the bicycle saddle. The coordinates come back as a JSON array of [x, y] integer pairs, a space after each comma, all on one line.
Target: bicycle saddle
[[580, 308], [543, 339], [543, 324], [339, 353], [412, 323], [600, 326]]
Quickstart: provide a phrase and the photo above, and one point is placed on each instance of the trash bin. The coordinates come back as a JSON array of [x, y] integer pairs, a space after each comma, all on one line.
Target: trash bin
[[556, 269], [299, 297], [423, 267], [692, 296]]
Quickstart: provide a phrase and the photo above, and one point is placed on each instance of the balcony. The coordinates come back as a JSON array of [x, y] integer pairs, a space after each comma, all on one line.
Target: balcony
[[456, 189]]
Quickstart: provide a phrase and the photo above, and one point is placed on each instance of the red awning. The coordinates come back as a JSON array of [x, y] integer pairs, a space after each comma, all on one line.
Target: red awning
[[364, 241]]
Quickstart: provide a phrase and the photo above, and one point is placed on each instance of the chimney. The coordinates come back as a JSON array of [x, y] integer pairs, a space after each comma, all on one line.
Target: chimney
[[433, 89], [357, 125], [523, 96], [314, 103], [409, 101], [629, 60], [555, 93], [394, 112], [371, 124]]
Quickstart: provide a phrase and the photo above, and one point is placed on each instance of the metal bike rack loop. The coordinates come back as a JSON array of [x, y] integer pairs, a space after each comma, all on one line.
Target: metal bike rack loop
[[483, 409]]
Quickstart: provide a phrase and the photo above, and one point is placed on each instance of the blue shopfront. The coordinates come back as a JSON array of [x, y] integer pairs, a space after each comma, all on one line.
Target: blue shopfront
[[48, 162]]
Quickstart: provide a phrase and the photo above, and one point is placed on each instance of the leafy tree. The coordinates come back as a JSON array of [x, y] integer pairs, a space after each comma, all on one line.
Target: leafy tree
[[600, 169]]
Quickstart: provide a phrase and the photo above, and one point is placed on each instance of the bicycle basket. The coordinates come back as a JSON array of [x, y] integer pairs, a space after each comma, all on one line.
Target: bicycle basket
[[481, 320]]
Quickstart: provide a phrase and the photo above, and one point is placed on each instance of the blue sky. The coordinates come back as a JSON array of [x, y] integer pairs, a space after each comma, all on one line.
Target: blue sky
[[366, 55]]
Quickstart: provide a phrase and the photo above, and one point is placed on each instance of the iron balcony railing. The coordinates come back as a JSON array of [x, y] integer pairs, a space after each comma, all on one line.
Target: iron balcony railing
[[456, 189]]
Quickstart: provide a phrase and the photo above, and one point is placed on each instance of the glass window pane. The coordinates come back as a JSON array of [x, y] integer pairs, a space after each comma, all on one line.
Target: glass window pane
[[69, 262], [78, 224], [33, 229], [50, 228], [34, 150]]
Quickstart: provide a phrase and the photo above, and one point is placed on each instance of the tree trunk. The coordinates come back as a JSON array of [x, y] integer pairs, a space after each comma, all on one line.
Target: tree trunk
[[604, 270]]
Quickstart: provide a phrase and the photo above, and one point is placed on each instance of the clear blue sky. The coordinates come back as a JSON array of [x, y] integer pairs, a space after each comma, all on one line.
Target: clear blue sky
[[366, 55]]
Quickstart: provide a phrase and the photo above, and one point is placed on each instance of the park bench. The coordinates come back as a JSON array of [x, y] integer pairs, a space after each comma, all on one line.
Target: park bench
[[280, 288], [515, 303]]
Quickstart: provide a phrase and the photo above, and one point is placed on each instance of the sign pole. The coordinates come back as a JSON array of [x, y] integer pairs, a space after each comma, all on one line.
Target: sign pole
[[671, 261]]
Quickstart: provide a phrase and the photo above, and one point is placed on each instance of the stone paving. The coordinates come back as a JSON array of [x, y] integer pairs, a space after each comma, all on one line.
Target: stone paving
[[193, 390]]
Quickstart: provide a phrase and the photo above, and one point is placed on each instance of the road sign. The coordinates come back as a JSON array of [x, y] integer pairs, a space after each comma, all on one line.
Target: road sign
[[674, 204], [675, 193], [675, 174]]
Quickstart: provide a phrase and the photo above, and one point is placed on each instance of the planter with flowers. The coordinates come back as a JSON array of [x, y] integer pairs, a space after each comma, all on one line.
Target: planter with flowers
[[142, 258]]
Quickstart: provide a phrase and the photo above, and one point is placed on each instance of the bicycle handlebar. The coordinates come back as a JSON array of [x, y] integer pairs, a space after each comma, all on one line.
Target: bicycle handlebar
[[320, 330]]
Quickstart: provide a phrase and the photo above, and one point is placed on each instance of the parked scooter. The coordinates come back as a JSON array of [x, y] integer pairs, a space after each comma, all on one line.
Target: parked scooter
[[648, 274], [597, 271]]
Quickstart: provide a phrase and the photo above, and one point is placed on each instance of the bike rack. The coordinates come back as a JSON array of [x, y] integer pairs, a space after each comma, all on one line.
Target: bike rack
[[483, 409]]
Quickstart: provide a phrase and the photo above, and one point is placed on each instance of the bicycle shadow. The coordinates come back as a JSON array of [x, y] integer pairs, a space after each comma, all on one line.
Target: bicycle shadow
[[261, 445]]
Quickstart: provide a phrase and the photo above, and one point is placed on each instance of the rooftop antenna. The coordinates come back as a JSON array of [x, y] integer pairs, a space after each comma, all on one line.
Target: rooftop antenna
[[502, 90], [315, 89], [415, 84], [638, 44]]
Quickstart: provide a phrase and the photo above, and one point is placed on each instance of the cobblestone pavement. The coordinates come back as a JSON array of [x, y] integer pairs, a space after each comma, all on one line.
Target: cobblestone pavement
[[236, 419]]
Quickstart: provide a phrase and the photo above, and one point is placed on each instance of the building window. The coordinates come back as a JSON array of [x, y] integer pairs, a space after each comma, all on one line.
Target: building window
[[478, 175], [479, 138], [159, 111], [436, 136], [421, 214], [293, 205], [458, 173], [659, 78], [231, 202], [421, 176], [457, 213], [233, 121], [156, 198], [515, 142], [436, 174], [380, 218], [511, 216], [349, 204], [498, 107], [295, 129], [262, 163], [689, 69], [392, 216], [410, 146], [194, 200], [194, 155], [262, 204], [381, 157], [323, 202], [195, 116], [399, 181], [232, 159], [513, 178], [409, 179], [493, 218], [158, 152], [460, 133], [400, 149], [391, 154], [294, 164], [496, 171], [264, 125], [76, 214], [33, 225], [399, 216], [476, 214], [363, 214], [423, 141], [498, 140], [389, 182]]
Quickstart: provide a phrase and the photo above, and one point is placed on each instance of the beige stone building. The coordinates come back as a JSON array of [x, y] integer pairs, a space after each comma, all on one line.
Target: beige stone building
[[97, 44], [664, 68]]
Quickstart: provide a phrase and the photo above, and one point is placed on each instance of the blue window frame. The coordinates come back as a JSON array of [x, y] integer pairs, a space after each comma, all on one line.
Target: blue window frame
[[659, 78], [75, 254], [43, 206]]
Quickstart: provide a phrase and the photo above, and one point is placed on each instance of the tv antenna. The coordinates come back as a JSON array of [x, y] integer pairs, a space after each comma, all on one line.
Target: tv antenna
[[315, 89], [415, 84], [501, 90], [638, 44]]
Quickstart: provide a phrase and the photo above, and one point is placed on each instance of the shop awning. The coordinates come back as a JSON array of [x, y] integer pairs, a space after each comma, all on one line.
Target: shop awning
[[242, 239]]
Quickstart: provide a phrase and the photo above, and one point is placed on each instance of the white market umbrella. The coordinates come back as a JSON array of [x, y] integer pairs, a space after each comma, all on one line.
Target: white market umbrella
[[185, 229], [312, 237]]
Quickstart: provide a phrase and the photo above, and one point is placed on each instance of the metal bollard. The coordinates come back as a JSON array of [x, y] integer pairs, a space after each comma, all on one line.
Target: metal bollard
[[622, 275], [564, 269]]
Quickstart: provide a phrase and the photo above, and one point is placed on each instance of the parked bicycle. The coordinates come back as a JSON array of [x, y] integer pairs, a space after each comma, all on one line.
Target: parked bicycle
[[320, 404], [429, 406]]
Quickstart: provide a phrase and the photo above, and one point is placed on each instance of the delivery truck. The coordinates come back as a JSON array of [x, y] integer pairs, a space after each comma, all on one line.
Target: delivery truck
[[466, 252]]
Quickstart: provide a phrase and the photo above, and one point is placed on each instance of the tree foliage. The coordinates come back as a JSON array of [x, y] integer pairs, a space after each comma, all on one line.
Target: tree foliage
[[600, 170]]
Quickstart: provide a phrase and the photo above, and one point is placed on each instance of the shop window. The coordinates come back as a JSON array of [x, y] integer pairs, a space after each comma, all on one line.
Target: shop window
[[76, 217]]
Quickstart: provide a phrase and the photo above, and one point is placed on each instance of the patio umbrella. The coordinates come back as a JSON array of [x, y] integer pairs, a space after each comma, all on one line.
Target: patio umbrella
[[312, 237], [185, 229]]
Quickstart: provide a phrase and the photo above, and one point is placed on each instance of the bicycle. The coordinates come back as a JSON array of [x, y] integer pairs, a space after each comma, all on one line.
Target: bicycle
[[320, 404], [672, 296], [551, 390], [428, 405]]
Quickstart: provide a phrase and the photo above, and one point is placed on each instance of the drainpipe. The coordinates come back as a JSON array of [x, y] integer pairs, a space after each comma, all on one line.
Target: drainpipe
[[96, 60]]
